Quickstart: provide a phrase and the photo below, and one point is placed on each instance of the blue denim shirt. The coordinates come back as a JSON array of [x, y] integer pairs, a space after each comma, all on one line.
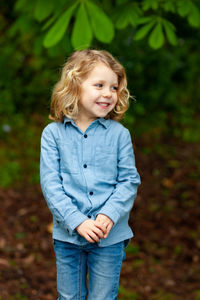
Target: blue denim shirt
[[86, 173]]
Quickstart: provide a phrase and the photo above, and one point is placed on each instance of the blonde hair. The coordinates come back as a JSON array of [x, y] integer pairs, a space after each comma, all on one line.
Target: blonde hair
[[67, 91]]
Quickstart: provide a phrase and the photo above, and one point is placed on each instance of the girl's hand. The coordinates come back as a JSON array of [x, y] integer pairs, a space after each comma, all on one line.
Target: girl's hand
[[91, 230], [106, 221]]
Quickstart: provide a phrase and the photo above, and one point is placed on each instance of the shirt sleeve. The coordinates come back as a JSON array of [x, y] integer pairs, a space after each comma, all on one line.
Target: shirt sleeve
[[60, 205], [121, 200]]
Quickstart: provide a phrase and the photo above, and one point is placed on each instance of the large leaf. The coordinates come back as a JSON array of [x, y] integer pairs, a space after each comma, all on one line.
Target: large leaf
[[126, 15], [82, 33], [170, 32], [143, 20], [169, 6], [51, 20], [101, 24], [122, 18], [156, 38], [183, 7], [194, 15], [19, 4], [56, 32], [43, 9], [148, 4], [142, 32], [134, 14]]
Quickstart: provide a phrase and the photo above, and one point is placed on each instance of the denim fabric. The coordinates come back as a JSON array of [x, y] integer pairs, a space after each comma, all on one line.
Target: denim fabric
[[102, 263], [86, 173]]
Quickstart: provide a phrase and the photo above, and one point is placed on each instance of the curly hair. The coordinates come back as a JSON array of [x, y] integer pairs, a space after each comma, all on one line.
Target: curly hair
[[67, 91]]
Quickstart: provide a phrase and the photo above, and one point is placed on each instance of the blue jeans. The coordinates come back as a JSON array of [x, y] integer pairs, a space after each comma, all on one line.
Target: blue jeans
[[103, 265]]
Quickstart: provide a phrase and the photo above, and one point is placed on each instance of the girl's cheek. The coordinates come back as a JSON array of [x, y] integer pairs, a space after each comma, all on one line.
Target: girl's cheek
[[95, 93]]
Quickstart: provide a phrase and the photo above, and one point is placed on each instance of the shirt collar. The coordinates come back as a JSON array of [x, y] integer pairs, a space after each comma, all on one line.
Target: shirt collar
[[102, 121]]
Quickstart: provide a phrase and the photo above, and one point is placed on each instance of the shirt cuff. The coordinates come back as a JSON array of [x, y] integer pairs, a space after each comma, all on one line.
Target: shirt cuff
[[74, 220], [111, 212]]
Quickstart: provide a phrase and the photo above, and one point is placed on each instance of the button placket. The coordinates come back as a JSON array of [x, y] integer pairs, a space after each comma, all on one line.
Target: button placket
[[85, 165]]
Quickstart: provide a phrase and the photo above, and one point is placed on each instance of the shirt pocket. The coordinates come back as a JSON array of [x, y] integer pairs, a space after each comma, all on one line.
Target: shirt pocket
[[105, 162], [68, 158]]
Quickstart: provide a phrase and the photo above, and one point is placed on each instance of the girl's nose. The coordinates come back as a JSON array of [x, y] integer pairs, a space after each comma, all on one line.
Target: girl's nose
[[106, 93]]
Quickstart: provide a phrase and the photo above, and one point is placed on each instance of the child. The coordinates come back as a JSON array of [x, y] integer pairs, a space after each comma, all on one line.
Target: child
[[88, 175]]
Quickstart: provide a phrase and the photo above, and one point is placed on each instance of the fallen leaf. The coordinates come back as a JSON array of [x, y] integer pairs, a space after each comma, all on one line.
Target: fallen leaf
[[2, 243], [4, 262], [168, 183], [29, 259], [49, 228]]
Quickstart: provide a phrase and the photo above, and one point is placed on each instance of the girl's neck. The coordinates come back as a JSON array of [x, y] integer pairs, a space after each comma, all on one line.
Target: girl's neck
[[83, 124]]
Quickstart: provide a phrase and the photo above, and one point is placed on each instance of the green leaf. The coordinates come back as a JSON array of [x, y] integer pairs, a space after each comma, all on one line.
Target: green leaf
[[126, 15], [82, 33], [142, 32], [183, 7], [144, 20], [147, 4], [19, 4], [194, 16], [171, 36], [57, 12], [52, 19], [134, 14], [169, 6], [101, 24], [123, 19], [56, 32], [43, 9], [156, 38]]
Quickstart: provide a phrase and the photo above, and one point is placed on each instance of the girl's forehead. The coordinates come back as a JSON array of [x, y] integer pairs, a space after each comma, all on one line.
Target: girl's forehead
[[102, 70]]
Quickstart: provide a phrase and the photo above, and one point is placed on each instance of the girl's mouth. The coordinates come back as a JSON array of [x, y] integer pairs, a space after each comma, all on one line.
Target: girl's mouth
[[103, 104]]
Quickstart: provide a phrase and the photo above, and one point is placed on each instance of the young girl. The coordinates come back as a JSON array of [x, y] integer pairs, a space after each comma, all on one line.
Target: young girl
[[88, 175]]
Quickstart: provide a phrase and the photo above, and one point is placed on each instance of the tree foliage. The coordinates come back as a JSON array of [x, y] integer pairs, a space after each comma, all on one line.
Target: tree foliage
[[165, 82], [84, 20]]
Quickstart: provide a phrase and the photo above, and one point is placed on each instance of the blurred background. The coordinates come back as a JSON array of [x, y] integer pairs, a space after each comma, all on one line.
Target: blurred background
[[158, 43]]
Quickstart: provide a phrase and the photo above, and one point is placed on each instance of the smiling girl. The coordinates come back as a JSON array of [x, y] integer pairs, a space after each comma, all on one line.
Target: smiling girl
[[88, 175]]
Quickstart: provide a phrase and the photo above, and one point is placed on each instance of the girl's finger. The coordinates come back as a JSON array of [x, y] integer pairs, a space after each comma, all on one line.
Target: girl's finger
[[88, 238], [101, 226], [93, 236], [98, 232], [108, 230]]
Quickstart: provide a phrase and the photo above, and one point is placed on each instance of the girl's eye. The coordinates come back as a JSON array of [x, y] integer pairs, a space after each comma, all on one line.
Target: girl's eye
[[99, 85], [115, 88]]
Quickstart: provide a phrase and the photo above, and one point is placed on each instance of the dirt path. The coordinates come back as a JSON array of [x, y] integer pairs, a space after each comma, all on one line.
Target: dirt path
[[163, 260]]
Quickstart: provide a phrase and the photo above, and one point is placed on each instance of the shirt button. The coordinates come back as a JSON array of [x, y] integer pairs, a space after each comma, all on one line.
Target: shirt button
[[85, 135], [91, 193], [84, 166], [89, 216]]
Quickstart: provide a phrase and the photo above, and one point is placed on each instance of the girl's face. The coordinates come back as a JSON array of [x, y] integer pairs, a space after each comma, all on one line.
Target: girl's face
[[99, 93]]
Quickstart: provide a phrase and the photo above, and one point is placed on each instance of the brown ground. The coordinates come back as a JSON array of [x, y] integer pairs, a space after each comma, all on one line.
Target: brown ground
[[163, 258]]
